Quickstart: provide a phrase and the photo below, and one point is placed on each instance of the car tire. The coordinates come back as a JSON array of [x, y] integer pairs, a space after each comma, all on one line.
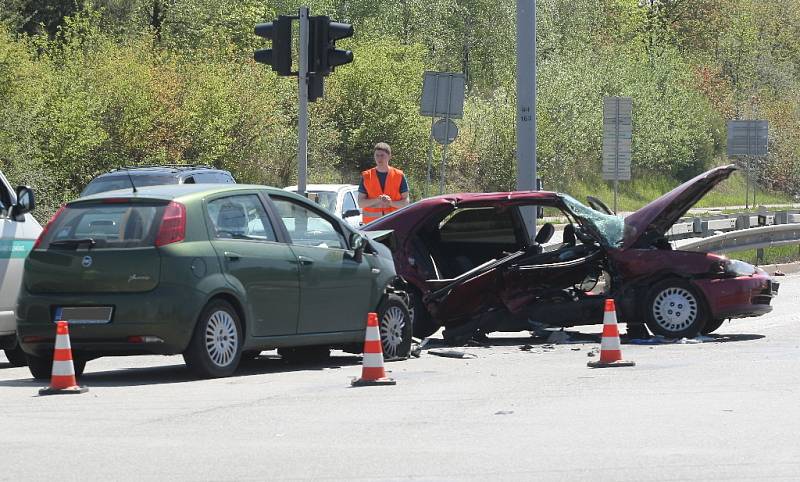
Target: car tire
[[395, 327], [674, 309], [216, 345], [16, 357], [41, 368], [711, 326], [421, 321]]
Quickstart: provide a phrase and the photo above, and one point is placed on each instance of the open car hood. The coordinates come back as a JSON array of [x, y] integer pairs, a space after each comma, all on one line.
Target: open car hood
[[655, 219]]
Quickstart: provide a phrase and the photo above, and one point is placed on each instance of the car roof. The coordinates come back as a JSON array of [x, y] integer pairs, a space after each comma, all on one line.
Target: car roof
[[163, 169], [175, 191]]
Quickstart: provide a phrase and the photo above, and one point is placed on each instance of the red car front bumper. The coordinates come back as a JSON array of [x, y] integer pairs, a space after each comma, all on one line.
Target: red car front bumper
[[738, 297]]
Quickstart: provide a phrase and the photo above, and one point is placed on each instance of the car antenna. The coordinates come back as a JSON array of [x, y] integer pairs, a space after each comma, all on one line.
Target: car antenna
[[130, 178]]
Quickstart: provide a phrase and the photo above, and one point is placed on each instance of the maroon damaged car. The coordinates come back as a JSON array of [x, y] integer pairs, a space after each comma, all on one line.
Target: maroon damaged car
[[474, 266]]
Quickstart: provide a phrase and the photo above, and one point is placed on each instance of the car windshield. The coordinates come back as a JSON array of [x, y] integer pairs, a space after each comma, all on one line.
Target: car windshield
[[608, 226], [326, 199], [123, 181]]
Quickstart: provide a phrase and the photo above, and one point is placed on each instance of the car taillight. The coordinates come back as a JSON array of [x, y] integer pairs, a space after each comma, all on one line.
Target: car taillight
[[47, 226], [173, 224]]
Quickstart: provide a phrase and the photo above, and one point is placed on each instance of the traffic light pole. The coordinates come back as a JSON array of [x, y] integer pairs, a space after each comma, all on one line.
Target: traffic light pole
[[302, 111]]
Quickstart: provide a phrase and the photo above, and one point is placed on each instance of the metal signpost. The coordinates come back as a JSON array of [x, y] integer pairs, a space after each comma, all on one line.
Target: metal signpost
[[526, 104], [748, 139], [442, 96], [302, 116], [617, 135]]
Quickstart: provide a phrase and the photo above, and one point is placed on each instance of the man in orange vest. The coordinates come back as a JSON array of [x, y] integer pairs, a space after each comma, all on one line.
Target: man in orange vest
[[383, 188]]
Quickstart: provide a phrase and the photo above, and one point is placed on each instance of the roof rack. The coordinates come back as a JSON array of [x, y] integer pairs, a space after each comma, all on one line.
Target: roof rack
[[168, 166]]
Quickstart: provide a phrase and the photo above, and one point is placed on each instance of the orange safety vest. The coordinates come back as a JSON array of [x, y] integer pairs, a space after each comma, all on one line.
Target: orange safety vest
[[373, 186]]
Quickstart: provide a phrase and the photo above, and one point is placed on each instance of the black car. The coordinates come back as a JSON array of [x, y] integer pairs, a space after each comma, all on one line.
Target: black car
[[141, 176]]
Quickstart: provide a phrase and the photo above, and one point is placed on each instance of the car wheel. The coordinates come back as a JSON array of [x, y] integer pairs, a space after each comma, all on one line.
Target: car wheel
[[16, 356], [394, 324], [41, 368], [711, 326], [421, 321], [675, 310], [216, 345]]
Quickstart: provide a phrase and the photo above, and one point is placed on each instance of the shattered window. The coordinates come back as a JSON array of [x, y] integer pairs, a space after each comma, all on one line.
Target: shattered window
[[610, 227]]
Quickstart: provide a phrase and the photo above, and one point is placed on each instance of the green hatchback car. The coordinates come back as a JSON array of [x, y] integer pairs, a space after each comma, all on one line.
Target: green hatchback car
[[214, 272]]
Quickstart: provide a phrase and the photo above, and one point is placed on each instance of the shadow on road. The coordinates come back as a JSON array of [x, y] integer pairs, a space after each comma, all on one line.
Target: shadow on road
[[179, 373]]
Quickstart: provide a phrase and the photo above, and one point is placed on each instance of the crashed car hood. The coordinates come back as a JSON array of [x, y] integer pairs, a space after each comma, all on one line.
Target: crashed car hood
[[655, 219]]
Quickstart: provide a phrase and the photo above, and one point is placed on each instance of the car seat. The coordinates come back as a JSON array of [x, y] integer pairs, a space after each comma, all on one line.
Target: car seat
[[568, 237], [231, 219]]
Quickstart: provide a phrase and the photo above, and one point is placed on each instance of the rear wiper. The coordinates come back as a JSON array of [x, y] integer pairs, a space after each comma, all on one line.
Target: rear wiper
[[73, 243]]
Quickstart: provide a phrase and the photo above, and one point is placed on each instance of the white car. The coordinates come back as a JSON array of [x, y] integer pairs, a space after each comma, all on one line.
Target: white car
[[19, 233], [340, 199]]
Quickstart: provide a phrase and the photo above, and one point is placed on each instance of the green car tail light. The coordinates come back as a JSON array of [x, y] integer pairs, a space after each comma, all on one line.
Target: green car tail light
[[173, 224]]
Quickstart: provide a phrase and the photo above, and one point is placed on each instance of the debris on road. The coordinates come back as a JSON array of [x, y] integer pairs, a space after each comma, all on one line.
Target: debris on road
[[558, 337], [526, 347], [593, 352], [504, 412], [451, 353], [660, 340]]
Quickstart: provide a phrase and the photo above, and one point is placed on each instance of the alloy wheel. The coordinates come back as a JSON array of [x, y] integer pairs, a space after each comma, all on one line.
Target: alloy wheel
[[221, 338], [391, 327]]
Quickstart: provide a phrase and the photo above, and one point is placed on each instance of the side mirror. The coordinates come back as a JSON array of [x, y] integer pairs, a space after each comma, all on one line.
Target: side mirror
[[26, 201], [350, 213], [357, 244]]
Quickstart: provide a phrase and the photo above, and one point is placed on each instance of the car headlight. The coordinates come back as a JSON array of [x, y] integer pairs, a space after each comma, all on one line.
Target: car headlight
[[734, 267]]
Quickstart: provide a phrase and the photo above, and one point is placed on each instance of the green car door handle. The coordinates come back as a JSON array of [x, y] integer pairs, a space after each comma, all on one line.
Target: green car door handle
[[231, 256], [305, 260]]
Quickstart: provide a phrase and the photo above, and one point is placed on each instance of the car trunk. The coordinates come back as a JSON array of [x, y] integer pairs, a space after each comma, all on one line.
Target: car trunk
[[98, 248]]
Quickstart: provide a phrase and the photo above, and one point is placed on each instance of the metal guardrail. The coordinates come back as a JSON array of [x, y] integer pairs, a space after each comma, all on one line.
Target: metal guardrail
[[753, 238], [737, 232]]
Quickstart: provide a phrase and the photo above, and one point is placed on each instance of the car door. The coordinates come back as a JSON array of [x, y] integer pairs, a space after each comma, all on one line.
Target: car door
[[255, 262], [349, 203], [335, 290], [17, 235]]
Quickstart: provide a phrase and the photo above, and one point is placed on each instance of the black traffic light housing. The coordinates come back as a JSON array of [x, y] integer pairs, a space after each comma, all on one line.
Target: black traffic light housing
[[280, 55], [323, 54]]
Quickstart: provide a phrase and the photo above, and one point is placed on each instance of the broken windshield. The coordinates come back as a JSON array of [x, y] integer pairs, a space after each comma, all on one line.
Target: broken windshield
[[608, 226]]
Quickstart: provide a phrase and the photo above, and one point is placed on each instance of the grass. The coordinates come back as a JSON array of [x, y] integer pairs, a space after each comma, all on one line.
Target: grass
[[638, 192], [777, 255]]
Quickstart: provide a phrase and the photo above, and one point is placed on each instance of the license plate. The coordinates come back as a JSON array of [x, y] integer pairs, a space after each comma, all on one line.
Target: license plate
[[84, 315]]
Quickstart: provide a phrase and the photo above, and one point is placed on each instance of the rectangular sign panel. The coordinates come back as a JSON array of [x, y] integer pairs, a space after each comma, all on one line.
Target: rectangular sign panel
[[747, 138], [443, 95], [617, 135]]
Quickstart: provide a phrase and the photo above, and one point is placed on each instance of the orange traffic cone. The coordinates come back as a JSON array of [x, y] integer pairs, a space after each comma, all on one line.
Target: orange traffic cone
[[372, 372], [62, 380], [610, 351]]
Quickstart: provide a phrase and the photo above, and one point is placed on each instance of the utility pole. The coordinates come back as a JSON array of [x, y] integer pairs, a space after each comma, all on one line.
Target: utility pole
[[526, 102], [302, 116]]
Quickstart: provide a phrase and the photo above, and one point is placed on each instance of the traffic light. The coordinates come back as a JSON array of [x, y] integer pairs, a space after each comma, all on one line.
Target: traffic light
[[323, 54], [280, 55]]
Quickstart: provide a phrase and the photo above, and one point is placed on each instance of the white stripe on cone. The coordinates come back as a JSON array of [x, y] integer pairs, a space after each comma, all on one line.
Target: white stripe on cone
[[373, 360], [63, 368], [62, 341], [373, 334]]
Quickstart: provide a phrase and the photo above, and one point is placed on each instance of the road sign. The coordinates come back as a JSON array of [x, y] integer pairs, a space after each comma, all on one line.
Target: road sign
[[747, 138], [617, 134], [444, 131], [442, 95]]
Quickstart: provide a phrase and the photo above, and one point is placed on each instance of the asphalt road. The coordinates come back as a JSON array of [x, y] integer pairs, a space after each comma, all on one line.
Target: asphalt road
[[722, 410]]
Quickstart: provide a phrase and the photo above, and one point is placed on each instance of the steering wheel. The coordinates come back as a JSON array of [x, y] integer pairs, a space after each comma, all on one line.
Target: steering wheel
[[581, 234], [598, 205]]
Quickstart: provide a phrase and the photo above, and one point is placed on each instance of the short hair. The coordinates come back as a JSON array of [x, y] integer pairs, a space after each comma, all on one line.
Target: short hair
[[382, 146]]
